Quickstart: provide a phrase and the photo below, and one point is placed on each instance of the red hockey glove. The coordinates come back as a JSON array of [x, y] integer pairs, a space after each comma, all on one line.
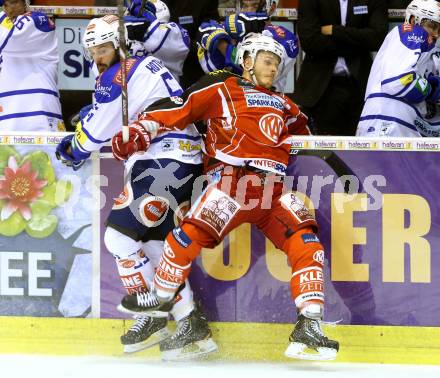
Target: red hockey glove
[[138, 141]]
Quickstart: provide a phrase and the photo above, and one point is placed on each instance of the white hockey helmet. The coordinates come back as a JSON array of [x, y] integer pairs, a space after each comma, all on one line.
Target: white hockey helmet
[[423, 10], [253, 43], [162, 11], [102, 30]]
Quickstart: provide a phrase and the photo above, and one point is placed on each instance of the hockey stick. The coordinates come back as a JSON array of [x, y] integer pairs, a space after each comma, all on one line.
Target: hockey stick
[[123, 53], [333, 161]]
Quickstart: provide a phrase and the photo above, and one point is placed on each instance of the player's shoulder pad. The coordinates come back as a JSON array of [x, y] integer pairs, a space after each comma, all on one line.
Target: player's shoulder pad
[[218, 76], [42, 22], [284, 36], [211, 78], [415, 37], [108, 85]]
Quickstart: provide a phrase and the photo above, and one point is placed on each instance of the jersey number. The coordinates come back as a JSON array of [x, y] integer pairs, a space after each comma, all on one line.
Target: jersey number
[[171, 84]]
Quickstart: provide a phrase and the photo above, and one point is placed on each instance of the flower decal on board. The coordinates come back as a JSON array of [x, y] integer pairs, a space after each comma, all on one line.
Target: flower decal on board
[[29, 192], [19, 187]]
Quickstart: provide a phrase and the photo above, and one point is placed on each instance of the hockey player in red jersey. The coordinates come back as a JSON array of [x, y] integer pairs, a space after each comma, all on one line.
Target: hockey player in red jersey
[[247, 142]]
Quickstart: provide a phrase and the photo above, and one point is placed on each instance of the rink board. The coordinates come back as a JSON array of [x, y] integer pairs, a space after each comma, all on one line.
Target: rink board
[[243, 283], [237, 341]]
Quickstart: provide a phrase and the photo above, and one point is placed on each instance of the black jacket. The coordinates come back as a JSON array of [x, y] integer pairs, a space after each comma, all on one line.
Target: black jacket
[[362, 34]]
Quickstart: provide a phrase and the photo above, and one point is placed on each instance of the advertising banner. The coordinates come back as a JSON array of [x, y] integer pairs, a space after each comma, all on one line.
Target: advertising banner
[[74, 72], [45, 231], [376, 204]]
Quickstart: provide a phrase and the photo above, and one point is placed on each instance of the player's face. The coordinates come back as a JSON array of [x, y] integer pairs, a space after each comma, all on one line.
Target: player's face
[[253, 5], [104, 56], [250, 5], [14, 8], [266, 68], [432, 27]]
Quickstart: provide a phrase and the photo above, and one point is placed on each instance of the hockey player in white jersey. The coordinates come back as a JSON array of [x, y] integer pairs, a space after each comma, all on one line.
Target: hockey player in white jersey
[[218, 43], [29, 98], [402, 87], [151, 33], [157, 187]]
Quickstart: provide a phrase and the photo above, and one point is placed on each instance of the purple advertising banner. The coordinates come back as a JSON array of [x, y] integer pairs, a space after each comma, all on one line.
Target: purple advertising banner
[[379, 222]]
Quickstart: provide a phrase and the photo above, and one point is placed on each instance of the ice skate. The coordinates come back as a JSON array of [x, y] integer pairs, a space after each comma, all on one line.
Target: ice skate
[[192, 339], [145, 333], [307, 341], [145, 303]]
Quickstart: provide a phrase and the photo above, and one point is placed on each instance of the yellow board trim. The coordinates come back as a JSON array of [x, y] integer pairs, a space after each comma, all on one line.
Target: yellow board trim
[[237, 341]]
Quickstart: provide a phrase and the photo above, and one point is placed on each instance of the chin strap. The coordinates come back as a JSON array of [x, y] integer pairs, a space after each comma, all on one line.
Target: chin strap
[[254, 78]]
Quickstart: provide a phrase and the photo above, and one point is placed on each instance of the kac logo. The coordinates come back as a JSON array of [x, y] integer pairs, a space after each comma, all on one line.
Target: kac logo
[[271, 125]]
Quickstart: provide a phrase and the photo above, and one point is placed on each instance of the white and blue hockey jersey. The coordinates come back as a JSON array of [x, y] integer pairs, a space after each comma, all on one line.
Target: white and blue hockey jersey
[[29, 98], [148, 81], [212, 61], [167, 41], [398, 85]]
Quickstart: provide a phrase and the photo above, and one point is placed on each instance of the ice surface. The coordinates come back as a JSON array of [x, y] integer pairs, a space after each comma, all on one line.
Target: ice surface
[[21, 366]]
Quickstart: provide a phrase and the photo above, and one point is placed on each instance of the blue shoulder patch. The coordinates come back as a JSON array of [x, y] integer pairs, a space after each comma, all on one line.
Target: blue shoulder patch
[[108, 85], [42, 22], [284, 36], [416, 37]]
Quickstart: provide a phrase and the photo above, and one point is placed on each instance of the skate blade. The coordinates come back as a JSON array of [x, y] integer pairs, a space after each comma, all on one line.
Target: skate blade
[[302, 352], [153, 314], [198, 349], [153, 340]]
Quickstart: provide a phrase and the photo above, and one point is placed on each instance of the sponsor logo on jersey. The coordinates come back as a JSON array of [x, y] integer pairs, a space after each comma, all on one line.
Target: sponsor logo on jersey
[[103, 90], [177, 100], [152, 209], [187, 146], [181, 238], [271, 125], [318, 256], [167, 145], [129, 64], [407, 27], [292, 203], [311, 275], [124, 199], [127, 264], [268, 165], [217, 210], [416, 39], [255, 99], [309, 238]]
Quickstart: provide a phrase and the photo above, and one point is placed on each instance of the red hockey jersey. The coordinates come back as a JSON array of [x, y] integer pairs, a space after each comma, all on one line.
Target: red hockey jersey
[[246, 124]]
